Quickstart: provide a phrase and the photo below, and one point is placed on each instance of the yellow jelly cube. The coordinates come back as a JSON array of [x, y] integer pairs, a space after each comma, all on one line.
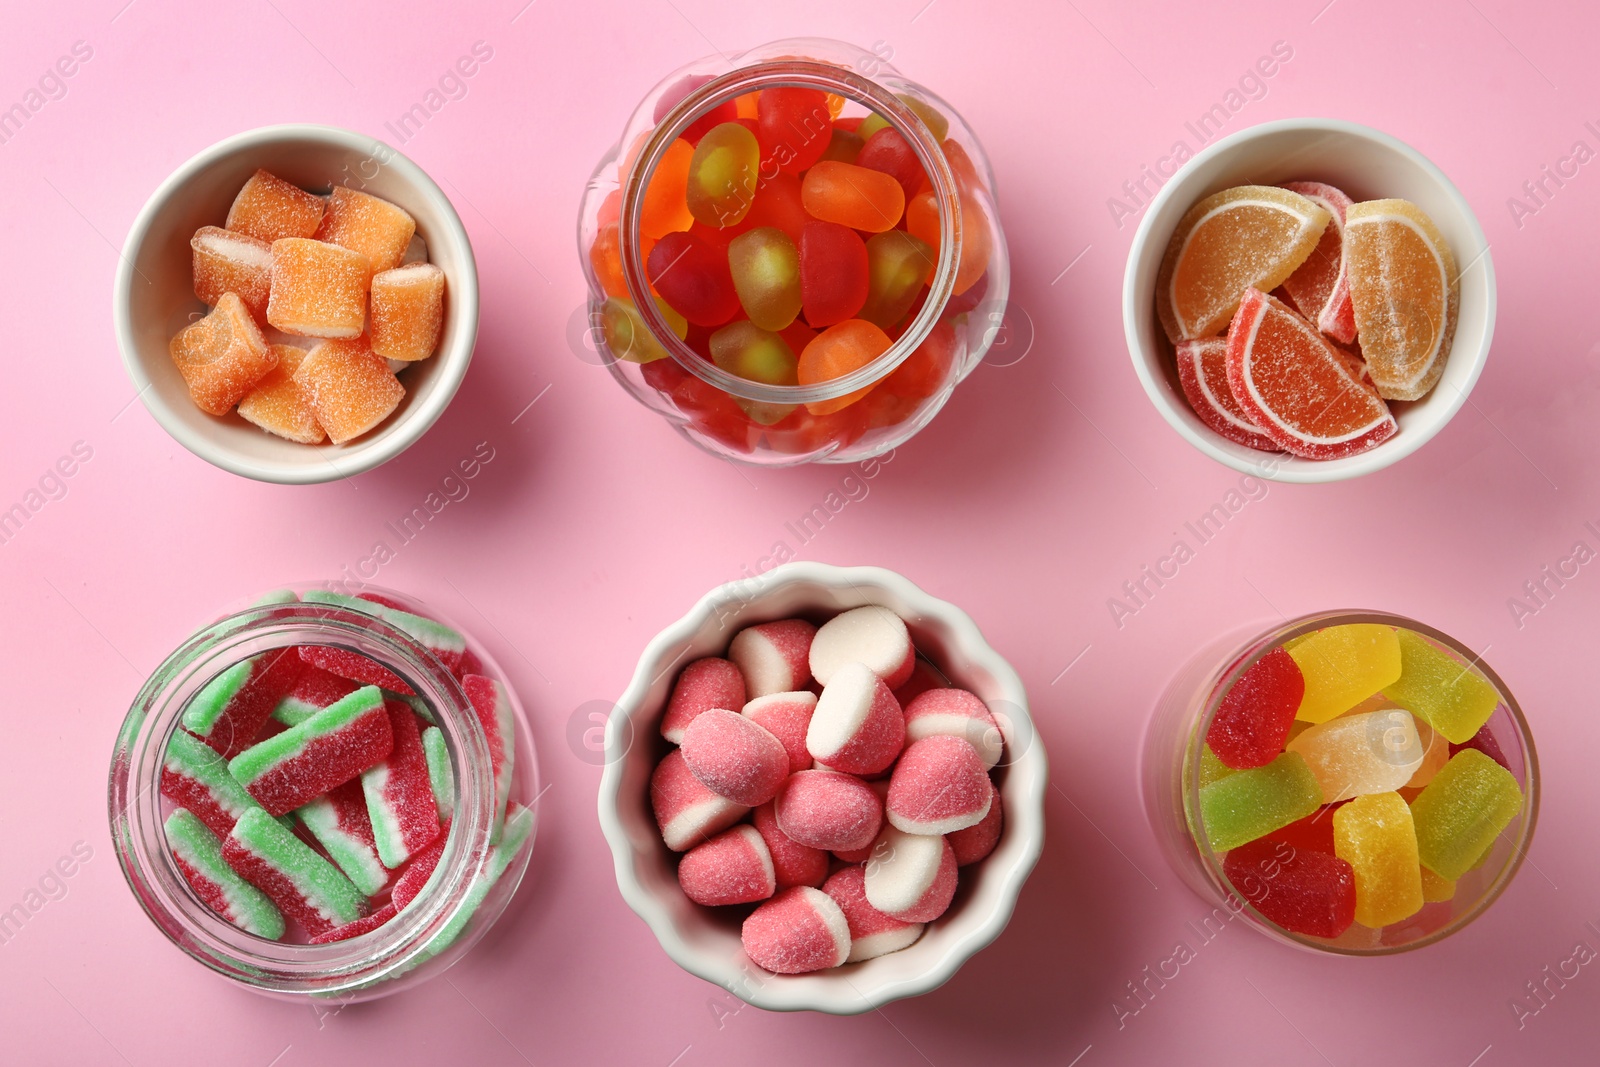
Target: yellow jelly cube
[[1344, 665], [1436, 889], [1375, 835], [1211, 768], [1436, 687]]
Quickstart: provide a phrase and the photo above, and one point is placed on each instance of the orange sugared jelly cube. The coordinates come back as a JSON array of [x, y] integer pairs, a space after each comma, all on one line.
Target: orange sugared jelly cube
[[349, 386], [226, 262], [222, 355], [367, 224], [835, 352], [279, 405], [318, 289], [407, 311], [269, 209]]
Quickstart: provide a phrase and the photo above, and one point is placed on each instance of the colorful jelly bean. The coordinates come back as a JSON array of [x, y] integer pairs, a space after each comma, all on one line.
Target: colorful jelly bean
[[795, 126], [889, 152], [853, 196], [835, 275], [692, 276], [722, 175], [897, 263], [838, 350], [765, 265], [666, 205], [629, 338], [758, 355]]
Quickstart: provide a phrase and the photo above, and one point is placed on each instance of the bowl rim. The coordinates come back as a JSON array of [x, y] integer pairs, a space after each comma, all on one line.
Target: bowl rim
[[1024, 816], [416, 420], [1277, 466]]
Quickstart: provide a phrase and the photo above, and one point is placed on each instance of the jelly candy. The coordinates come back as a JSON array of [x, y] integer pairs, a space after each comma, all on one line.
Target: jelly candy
[[330, 748], [853, 196], [278, 405], [1313, 833], [367, 224], [1484, 742], [437, 753], [1344, 665], [318, 289], [925, 371], [888, 152], [1320, 287], [837, 351], [349, 387], [407, 311], [1252, 803], [722, 175], [834, 273], [795, 127], [692, 275], [1440, 690], [1211, 768], [778, 204], [922, 222], [1305, 892], [1435, 754], [1251, 236], [356, 929], [493, 705], [1297, 387], [765, 265], [355, 667], [1357, 754], [1405, 291], [605, 257], [338, 820], [304, 886], [674, 94], [268, 208], [896, 265], [931, 117], [844, 146], [196, 777], [229, 710], [1461, 812], [629, 338], [1253, 720], [758, 355], [198, 855], [1436, 889], [1203, 373], [222, 355], [666, 206], [232, 263], [1375, 835], [399, 793]]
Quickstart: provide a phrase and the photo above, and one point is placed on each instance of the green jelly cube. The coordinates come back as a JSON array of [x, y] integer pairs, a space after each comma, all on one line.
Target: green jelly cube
[[1249, 804], [1437, 688], [1460, 813]]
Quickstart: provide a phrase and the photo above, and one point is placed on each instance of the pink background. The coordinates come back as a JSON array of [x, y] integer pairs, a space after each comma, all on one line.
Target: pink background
[[595, 526]]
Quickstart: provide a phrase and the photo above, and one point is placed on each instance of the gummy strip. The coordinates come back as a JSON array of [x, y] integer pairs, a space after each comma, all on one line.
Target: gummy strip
[[493, 705], [439, 774], [338, 820], [400, 803], [321, 885], [199, 856], [265, 757], [195, 775], [433, 635]]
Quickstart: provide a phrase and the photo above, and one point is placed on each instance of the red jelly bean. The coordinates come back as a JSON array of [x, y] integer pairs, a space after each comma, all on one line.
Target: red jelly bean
[[795, 128], [1253, 722], [692, 276], [1305, 892], [888, 152], [833, 273]]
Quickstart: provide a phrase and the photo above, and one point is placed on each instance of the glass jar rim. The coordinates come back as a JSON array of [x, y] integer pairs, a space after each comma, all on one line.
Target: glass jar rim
[[806, 74]]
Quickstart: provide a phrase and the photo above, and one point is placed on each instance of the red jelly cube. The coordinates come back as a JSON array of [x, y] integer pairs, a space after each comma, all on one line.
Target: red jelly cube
[[692, 276], [1305, 892], [833, 273], [1253, 722]]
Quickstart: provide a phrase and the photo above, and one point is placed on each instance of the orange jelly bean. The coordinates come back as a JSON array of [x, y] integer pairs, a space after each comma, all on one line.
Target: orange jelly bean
[[922, 222], [853, 196], [666, 205], [835, 352], [605, 256]]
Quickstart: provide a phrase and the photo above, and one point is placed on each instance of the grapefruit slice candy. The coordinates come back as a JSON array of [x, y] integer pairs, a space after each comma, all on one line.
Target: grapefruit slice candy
[[1247, 236], [1203, 373], [1305, 394], [1321, 285], [1405, 291]]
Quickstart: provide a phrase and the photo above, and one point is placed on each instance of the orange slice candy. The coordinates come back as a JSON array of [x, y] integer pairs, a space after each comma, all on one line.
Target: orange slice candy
[[1404, 287], [1203, 373], [1306, 395], [1248, 236], [1320, 287]]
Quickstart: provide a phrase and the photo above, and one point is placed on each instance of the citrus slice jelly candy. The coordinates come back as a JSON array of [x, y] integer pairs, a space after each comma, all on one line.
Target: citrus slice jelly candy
[[1376, 836], [837, 351], [1343, 665], [1320, 287], [1203, 373], [1251, 235], [1404, 287], [1450, 696], [1245, 805], [1355, 755], [765, 265], [722, 175], [1297, 387], [853, 196], [1462, 811]]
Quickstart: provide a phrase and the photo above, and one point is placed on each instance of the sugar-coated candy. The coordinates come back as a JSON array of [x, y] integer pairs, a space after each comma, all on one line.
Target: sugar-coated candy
[[318, 289], [1357, 754], [222, 355], [939, 786], [1313, 833], [911, 877], [923, 678], [339, 821], [399, 793], [1211, 768], [888, 151], [229, 710], [1376, 836], [195, 776], [840, 349], [356, 929], [722, 175], [872, 933], [370, 225], [686, 811], [1250, 236], [1203, 374], [446, 644], [1320, 287], [786, 716], [407, 308], [872, 635], [956, 713], [692, 275], [853, 196], [1253, 720], [232, 263], [1304, 892], [897, 263], [732, 868], [198, 854], [1405, 292], [313, 690], [268, 208], [798, 931], [1344, 665], [350, 388], [765, 264], [519, 826], [734, 756], [792, 863], [1435, 754], [440, 776], [774, 657], [355, 667], [1436, 889], [857, 726], [828, 810], [710, 682], [1461, 812], [1252, 803], [333, 746], [277, 403], [1484, 742], [415, 877], [1442, 691], [1311, 399], [666, 209], [304, 886], [975, 842], [492, 704], [834, 273], [794, 125]]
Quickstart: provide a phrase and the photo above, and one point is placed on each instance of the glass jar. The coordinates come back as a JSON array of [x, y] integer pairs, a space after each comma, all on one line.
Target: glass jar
[[474, 879], [668, 366], [1173, 768]]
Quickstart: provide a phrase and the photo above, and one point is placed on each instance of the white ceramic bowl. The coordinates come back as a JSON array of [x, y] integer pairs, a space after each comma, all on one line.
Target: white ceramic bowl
[[1368, 165], [705, 941], [154, 296]]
